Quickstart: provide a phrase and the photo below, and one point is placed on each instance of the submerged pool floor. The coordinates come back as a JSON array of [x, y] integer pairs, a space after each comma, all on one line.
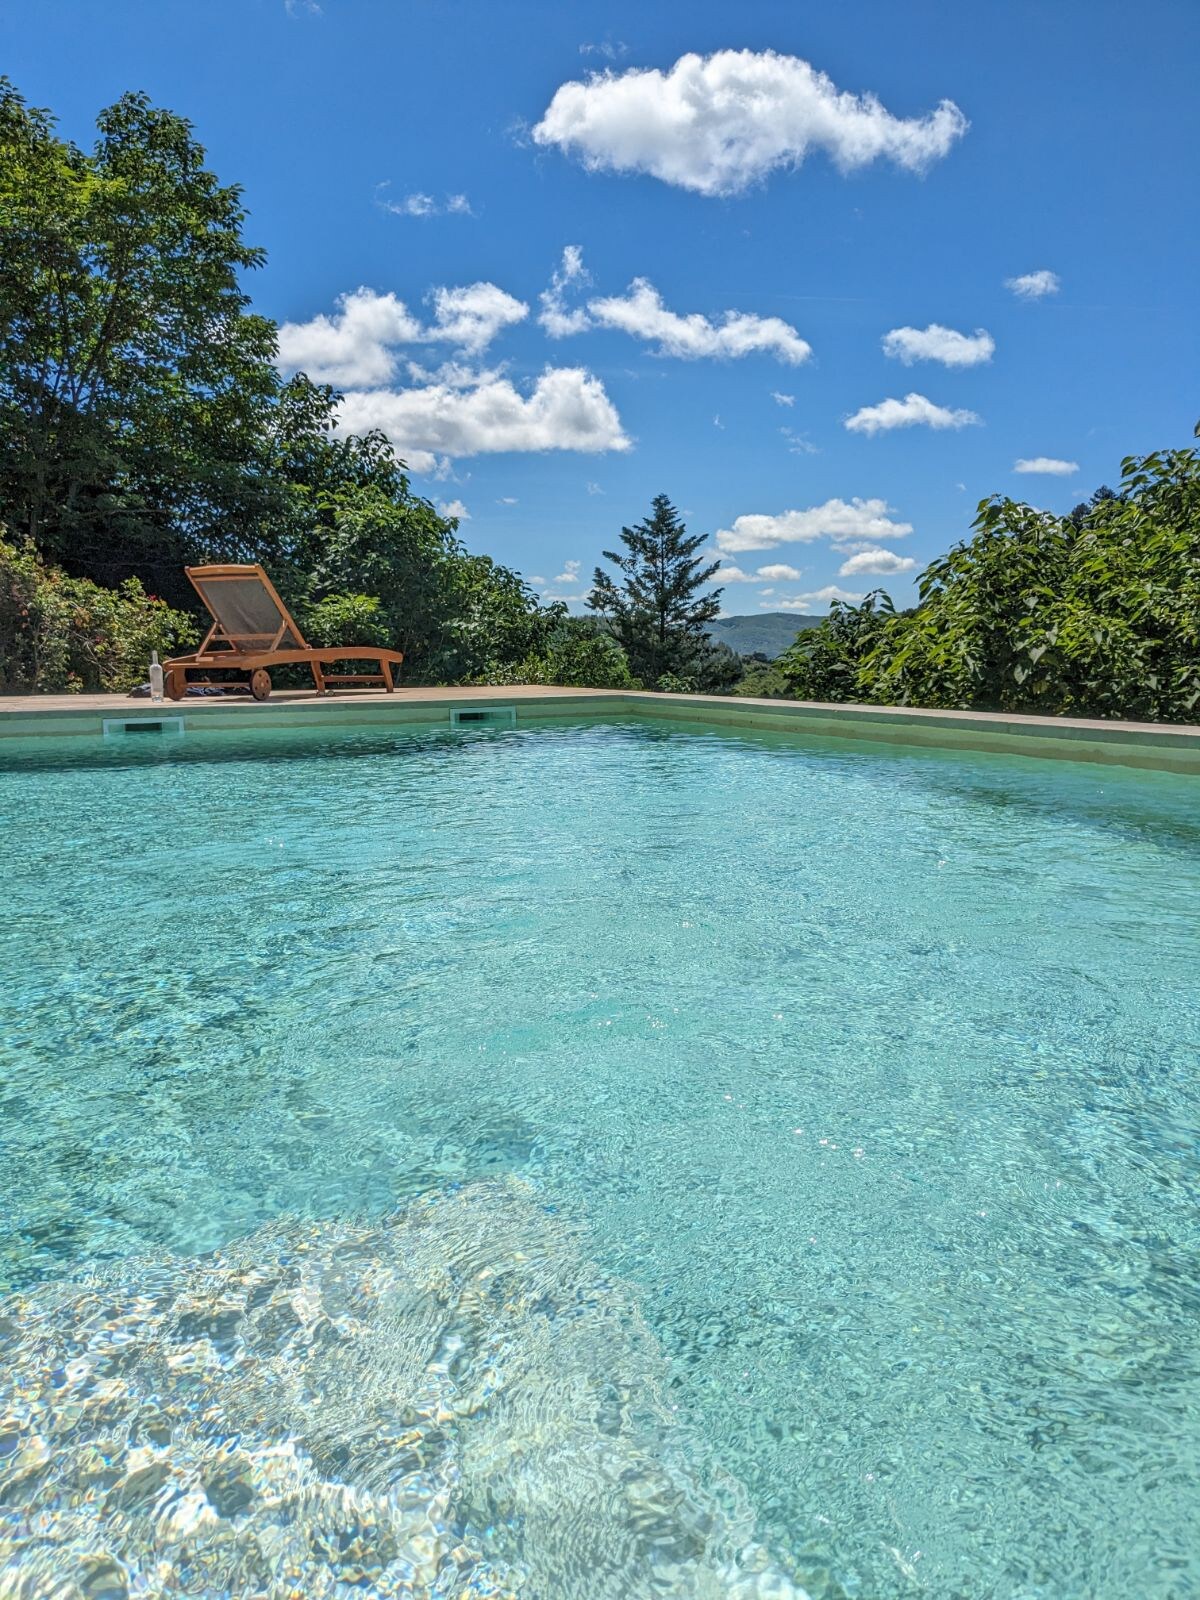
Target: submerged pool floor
[[638, 1161]]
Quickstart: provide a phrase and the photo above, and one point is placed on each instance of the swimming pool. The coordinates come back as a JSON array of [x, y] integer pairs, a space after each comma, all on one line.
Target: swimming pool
[[606, 1159]]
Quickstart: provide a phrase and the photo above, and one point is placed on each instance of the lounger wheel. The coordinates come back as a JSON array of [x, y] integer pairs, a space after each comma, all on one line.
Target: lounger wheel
[[260, 683], [175, 683]]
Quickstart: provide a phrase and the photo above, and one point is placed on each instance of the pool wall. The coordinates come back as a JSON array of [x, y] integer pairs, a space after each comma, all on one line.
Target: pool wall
[[1161, 747]]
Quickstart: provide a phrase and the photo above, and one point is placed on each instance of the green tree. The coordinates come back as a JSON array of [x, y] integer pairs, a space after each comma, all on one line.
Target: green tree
[[653, 609], [136, 387], [452, 613]]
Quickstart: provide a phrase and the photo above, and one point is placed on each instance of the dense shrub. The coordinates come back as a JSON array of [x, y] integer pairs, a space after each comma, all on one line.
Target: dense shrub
[[59, 633], [578, 654], [762, 680], [346, 619]]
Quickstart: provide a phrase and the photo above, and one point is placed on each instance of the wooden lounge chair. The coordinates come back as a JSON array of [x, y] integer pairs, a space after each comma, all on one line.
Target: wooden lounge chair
[[252, 631]]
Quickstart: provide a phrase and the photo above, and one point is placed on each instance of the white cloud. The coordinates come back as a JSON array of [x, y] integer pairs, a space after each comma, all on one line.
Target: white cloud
[[717, 423], [557, 319], [355, 346], [470, 318], [1034, 285], [1050, 465], [594, 488], [608, 49], [836, 520], [454, 508], [813, 601], [783, 399], [936, 343], [359, 345], [883, 562], [507, 500], [717, 124], [424, 205], [569, 584], [777, 573], [538, 583], [799, 444], [913, 411], [640, 312], [567, 409], [302, 8]]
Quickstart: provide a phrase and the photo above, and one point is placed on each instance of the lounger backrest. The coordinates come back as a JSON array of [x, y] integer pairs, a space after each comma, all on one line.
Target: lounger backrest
[[248, 613]]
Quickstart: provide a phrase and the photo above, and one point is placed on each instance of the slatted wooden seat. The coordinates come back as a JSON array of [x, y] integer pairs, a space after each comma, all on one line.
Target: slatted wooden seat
[[253, 631]]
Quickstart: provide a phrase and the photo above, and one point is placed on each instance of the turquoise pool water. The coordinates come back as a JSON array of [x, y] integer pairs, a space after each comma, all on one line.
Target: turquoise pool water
[[599, 1160]]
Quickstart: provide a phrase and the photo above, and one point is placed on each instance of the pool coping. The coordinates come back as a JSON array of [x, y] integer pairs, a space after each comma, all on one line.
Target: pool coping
[[1155, 746]]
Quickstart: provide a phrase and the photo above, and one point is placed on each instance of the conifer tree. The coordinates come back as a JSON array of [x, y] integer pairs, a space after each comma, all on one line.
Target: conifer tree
[[652, 608]]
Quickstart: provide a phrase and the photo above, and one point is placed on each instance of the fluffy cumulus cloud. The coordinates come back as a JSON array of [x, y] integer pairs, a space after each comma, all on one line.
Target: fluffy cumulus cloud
[[454, 508], [485, 413], [717, 124], [936, 343], [459, 409], [837, 520], [783, 399], [914, 411], [641, 313], [471, 317], [1034, 285], [360, 344], [885, 563], [1050, 465], [777, 572], [818, 600]]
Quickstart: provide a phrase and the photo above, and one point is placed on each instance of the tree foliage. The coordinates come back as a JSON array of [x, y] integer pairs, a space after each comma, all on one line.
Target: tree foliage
[[144, 425], [135, 384], [1092, 614], [654, 609]]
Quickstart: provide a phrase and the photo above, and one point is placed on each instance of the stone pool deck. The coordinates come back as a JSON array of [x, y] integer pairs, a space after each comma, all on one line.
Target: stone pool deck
[[1157, 746]]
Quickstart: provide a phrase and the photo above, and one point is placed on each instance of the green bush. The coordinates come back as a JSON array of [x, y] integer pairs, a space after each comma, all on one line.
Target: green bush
[[763, 680], [578, 654], [825, 662], [346, 619], [61, 634]]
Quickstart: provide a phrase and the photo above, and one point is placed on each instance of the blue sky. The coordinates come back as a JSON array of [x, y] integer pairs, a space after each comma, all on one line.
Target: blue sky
[[737, 218]]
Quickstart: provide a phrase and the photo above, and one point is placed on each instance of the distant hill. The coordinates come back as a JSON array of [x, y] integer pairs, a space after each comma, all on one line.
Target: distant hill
[[767, 634]]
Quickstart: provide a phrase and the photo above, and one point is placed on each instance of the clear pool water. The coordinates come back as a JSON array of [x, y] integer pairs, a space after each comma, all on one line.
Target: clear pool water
[[743, 1166]]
